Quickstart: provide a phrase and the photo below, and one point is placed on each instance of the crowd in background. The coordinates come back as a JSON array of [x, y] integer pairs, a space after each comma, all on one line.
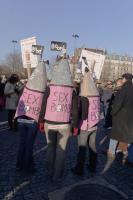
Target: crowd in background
[[10, 91]]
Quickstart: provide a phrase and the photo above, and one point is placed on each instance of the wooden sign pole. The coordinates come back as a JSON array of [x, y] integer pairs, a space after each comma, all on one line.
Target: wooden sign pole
[[29, 70]]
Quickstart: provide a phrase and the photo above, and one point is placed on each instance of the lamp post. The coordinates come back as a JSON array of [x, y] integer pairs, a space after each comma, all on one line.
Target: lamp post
[[75, 36], [14, 42]]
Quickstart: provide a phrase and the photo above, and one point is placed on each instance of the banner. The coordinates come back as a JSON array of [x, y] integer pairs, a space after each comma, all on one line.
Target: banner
[[94, 61], [29, 59]]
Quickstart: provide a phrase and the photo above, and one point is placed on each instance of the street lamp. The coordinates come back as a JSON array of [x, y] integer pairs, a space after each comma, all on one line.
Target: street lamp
[[14, 42], [75, 36]]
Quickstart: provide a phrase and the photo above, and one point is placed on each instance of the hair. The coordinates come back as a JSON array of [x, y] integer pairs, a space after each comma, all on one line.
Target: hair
[[14, 78], [119, 79], [127, 76], [86, 69]]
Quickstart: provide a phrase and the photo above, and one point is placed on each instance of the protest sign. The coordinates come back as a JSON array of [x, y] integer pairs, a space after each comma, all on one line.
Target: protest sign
[[28, 58], [37, 49], [94, 61], [58, 46]]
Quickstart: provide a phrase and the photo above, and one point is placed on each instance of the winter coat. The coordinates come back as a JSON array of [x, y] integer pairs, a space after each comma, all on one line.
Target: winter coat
[[122, 114], [11, 96], [106, 95]]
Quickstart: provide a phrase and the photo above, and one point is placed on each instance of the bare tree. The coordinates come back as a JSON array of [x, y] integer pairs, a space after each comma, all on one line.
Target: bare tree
[[14, 62]]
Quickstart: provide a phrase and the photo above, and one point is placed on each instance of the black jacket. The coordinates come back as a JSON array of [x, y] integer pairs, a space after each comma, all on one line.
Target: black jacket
[[122, 114]]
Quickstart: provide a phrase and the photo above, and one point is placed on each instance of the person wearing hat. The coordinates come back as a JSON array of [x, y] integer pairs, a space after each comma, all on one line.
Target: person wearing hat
[[122, 117], [57, 117], [89, 118], [30, 111]]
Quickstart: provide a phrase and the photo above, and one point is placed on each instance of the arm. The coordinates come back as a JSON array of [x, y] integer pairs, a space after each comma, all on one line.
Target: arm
[[118, 101], [44, 103], [8, 90], [75, 110], [84, 104]]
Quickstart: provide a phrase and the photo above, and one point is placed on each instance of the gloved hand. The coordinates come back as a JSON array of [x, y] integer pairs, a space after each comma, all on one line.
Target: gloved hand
[[75, 131], [41, 127]]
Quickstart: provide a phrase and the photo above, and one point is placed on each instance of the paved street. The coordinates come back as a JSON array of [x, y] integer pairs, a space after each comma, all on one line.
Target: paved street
[[17, 186], [3, 115]]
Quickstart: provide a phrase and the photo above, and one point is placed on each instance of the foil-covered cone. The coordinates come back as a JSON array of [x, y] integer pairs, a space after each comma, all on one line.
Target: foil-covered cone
[[87, 86], [61, 74], [38, 79]]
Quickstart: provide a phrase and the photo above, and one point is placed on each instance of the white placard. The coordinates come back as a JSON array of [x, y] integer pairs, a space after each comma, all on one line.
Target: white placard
[[92, 60], [29, 59]]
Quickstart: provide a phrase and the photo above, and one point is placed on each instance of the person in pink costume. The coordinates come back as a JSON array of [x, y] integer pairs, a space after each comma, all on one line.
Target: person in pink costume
[[89, 117], [58, 117], [28, 114]]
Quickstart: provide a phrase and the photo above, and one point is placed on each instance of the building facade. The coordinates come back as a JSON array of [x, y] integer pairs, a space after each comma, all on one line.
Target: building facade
[[116, 65]]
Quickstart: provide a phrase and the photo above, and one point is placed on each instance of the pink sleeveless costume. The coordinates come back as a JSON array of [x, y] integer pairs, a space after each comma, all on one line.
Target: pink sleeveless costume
[[30, 104], [59, 104], [93, 114]]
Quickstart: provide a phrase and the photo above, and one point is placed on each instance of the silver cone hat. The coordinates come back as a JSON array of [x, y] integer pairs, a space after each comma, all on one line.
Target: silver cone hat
[[88, 87], [61, 74], [38, 79]]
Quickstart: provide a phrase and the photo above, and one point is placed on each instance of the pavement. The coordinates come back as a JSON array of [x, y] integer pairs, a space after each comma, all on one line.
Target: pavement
[[18, 186]]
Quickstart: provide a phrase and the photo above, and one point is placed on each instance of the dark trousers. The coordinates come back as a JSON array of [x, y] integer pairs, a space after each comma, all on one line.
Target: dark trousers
[[12, 123], [28, 132], [86, 139]]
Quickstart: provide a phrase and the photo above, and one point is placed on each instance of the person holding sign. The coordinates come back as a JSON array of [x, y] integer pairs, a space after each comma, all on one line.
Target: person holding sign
[[57, 117], [89, 117], [29, 113]]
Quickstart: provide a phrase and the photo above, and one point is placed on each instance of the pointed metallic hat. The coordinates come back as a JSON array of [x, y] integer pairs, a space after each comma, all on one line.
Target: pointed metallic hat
[[87, 86], [38, 79], [61, 74]]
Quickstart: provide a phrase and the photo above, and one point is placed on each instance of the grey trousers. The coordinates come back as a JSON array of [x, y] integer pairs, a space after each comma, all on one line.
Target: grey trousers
[[85, 138], [55, 157]]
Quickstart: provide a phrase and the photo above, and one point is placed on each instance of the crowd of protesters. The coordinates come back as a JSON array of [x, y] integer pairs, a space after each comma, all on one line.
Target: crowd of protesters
[[68, 107]]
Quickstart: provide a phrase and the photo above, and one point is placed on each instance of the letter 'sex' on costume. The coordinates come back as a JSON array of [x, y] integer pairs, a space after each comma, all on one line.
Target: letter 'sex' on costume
[[30, 111], [89, 117], [57, 117]]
